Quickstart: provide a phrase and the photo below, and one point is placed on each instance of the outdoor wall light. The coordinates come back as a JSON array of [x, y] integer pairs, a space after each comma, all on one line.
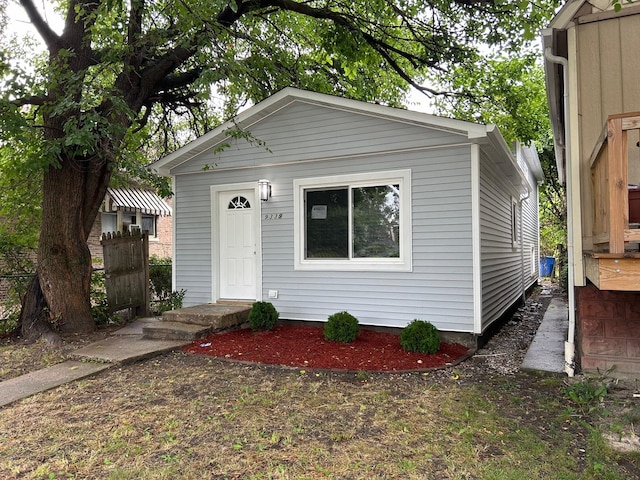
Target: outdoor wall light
[[265, 189]]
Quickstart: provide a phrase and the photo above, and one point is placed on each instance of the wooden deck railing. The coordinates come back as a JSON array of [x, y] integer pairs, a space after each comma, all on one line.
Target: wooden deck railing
[[610, 175]]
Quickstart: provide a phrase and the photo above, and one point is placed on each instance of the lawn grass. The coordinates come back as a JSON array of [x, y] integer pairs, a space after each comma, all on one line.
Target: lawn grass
[[186, 416]]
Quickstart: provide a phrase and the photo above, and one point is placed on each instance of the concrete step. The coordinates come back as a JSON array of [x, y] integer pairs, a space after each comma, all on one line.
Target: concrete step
[[215, 316], [175, 331]]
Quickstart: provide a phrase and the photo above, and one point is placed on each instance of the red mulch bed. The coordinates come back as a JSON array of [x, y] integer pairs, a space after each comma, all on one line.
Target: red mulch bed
[[305, 347]]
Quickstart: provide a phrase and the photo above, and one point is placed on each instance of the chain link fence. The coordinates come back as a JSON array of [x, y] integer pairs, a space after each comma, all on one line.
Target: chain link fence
[[13, 286]]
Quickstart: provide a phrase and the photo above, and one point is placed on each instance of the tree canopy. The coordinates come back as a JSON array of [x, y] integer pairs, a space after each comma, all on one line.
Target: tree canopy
[[122, 73], [509, 91]]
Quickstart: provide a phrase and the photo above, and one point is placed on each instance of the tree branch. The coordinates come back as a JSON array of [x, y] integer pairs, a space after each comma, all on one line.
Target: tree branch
[[33, 100], [172, 82], [133, 32], [51, 38]]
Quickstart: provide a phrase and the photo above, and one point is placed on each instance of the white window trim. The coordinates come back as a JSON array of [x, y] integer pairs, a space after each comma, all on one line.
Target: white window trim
[[534, 259], [138, 213], [515, 214], [401, 264]]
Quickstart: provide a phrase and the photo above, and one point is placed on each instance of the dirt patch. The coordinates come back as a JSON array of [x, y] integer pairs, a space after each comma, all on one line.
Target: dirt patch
[[305, 347], [18, 357]]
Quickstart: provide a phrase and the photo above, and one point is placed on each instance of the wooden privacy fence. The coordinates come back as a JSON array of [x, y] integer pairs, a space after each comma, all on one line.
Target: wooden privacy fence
[[126, 271]]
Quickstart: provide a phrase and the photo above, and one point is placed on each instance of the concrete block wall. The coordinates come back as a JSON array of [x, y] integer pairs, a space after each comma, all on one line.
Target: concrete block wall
[[608, 327]]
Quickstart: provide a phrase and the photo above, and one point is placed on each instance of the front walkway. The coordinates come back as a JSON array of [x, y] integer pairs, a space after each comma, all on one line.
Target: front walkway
[[125, 345], [546, 352]]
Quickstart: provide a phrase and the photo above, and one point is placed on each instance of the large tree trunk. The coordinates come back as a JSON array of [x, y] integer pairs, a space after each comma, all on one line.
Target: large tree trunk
[[34, 322], [64, 259], [72, 195]]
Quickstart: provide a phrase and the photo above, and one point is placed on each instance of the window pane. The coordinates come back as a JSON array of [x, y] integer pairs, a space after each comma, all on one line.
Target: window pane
[[327, 223], [109, 222], [376, 222], [149, 224]]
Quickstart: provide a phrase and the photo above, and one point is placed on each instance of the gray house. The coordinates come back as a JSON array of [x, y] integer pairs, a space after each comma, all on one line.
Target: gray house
[[324, 204]]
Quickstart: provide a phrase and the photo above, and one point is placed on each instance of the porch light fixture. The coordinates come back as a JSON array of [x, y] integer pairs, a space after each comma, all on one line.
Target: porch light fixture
[[265, 189]]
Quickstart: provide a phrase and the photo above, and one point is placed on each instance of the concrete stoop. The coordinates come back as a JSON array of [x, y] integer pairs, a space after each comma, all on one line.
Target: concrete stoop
[[195, 322]]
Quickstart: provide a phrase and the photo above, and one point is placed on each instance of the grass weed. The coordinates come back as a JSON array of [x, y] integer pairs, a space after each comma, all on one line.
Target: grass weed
[[182, 416]]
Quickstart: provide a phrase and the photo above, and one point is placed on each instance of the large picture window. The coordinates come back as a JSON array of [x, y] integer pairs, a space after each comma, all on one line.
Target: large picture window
[[354, 222]]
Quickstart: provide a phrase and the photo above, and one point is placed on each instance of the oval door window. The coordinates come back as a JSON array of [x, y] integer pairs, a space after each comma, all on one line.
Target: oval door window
[[238, 202]]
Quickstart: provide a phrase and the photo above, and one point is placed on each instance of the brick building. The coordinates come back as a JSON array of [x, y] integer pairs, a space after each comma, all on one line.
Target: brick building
[[125, 209]]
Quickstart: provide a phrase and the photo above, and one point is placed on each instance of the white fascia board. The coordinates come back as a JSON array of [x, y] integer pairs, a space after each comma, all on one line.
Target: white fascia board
[[452, 125], [499, 145], [530, 155], [218, 134], [565, 15]]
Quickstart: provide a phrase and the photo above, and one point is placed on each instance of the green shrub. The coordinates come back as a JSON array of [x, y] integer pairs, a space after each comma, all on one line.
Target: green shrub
[[263, 316], [159, 277], [172, 301], [420, 336], [98, 293], [162, 297], [341, 327]]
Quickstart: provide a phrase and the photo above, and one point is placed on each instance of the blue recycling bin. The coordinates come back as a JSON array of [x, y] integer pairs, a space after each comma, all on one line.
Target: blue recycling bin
[[546, 266]]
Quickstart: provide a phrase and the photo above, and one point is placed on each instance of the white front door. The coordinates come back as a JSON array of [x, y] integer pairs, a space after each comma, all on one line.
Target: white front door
[[238, 244]]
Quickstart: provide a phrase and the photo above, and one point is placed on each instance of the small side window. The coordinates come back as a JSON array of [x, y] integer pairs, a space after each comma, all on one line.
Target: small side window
[[514, 223]]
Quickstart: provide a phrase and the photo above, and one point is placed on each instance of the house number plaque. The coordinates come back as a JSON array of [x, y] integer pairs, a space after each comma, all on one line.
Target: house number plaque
[[272, 216]]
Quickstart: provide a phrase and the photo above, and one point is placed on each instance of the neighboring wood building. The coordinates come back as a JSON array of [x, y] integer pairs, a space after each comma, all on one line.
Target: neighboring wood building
[[593, 84], [390, 214]]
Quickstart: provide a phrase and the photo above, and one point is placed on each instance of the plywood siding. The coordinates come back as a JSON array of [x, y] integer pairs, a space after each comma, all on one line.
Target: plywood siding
[[301, 133], [500, 260], [607, 73], [438, 289]]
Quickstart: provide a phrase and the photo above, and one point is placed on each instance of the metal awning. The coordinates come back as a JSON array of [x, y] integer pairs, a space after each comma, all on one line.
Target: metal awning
[[132, 199]]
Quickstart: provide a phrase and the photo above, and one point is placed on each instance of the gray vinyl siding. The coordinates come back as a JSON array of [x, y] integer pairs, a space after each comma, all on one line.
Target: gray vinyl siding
[[192, 233], [306, 141], [439, 289], [301, 133], [530, 235], [500, 260]]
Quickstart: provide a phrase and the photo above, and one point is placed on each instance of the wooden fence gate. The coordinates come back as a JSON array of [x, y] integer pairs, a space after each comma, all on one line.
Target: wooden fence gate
[[126, 271]]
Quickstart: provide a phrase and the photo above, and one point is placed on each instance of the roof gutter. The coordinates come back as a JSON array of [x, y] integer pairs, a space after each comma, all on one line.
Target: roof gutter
[[569, 344], [497, 140]]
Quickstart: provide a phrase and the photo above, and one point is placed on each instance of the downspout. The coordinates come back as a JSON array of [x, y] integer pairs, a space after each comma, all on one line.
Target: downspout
[[174, 257], [569, 344]]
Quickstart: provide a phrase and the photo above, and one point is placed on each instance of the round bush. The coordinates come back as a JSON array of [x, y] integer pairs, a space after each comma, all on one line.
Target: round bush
[[263, 316], [341, 327], [420, 336]]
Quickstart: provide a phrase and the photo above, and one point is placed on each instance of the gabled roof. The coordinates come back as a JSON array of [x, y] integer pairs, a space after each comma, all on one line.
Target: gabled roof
[[487, 135]]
